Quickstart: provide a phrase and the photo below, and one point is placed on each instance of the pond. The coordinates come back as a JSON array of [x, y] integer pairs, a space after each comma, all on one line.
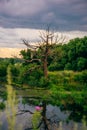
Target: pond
[[20, 114]]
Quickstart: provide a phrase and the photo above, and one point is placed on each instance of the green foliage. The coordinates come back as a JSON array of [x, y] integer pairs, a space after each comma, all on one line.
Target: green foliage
[[81, 77], [3, 95], [3, 67], [68, 66], [60, 77], [26, 54], [55, 66], [36, 119], [3, 70], [81, 63], [68, 80], [71, 93], [44, 82], [15, 71], [2, 106], [72, 56], [30, 101], [30, 75], [77, 53]]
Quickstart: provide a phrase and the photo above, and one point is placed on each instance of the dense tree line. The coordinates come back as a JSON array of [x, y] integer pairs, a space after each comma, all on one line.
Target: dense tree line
[[71, 56]]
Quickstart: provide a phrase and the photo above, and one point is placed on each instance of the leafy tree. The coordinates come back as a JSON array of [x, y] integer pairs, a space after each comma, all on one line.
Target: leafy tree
[[68, 66], [81, 63], [3, 70], [75, 54]]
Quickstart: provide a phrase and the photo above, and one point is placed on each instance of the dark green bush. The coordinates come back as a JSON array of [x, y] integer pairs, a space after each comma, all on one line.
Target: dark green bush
[[55, 66], [81, 77], [2, 106], [81, 63], [68, 66], [3, 95], [44, 82]]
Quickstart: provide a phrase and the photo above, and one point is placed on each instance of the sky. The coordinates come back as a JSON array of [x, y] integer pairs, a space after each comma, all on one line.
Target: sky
[[23, 18]]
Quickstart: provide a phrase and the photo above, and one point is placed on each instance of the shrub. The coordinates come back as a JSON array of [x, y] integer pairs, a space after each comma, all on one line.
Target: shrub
[[81, 77], [44, 82], [2, 106], [68, 66]]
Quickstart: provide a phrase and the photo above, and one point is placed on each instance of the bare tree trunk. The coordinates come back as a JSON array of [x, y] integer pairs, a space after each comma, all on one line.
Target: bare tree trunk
[[45, 69], [46, 123], [45, 58]]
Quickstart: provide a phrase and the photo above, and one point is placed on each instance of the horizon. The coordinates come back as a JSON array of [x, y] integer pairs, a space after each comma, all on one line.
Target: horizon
[[12, 38], [10, 52]]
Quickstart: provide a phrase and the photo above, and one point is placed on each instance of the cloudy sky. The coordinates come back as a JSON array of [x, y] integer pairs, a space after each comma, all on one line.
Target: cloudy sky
[[23, 18]]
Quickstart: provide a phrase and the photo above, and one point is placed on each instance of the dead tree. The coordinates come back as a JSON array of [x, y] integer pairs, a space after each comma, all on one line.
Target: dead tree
[[48, 40]]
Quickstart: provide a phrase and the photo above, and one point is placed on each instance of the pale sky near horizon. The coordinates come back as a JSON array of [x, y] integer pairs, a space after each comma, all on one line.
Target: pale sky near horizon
[[24, 18]]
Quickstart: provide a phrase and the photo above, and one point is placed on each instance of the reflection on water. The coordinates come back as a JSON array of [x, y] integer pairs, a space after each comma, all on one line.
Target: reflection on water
[[84, 126], [23, 121], [11, 119]]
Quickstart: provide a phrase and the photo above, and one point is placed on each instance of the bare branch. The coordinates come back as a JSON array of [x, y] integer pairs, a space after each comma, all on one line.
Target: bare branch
[[31, 69], [32, 60], [24, 111], [29, 45]]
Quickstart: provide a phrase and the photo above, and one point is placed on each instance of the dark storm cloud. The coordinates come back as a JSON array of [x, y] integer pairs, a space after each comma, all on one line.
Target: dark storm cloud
[[63, 14]]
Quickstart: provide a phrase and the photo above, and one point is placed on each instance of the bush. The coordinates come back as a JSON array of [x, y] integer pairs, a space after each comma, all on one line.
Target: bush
[[2, 106], [68, 66], [81, 64], [44, 82], [29, 76], [81, 77], [55, 66], [3, 95]]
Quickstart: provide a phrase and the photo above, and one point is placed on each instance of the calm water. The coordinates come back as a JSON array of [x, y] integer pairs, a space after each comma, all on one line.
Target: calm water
[[14, 117]]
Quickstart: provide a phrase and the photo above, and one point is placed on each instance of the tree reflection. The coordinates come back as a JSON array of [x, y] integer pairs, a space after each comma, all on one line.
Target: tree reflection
[[74, 120]]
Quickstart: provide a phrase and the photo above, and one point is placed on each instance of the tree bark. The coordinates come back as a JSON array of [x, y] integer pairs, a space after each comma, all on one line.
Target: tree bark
[[45, 69]]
